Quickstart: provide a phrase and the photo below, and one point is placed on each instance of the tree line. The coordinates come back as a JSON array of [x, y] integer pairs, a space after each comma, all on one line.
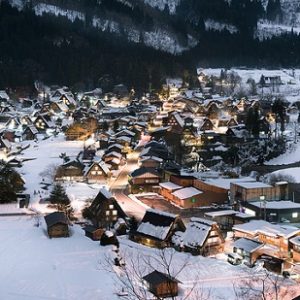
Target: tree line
[[54, 50]]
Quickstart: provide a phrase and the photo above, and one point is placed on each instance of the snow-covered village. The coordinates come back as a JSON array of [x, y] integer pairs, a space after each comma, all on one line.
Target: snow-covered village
[[189, 193], [149, 149]]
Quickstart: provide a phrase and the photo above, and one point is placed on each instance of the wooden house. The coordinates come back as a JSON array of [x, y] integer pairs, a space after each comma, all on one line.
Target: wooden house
[[59, 107], [124, 140], [157, 149], [9, 135], [43, 122], [176, 122], [97, 172], [125, 132], [70, 171], [145, 178], [273, 211], [188, 197], [68, 99], [161, 285], [157, 229], [57, 225], [294, 246], [93, 232], [247, 249], [30, 133], [112, 154], [77, 132], [206, 125], [151, 162], [115, 147], [201, 237], [5, 145], [105, 211], [213, 110], [276, 236]]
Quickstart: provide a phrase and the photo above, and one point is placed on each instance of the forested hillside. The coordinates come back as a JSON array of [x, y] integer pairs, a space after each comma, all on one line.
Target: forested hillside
[[78, 42]]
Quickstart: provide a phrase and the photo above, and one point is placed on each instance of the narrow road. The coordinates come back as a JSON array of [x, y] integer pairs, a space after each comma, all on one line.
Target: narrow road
[[119, 188]]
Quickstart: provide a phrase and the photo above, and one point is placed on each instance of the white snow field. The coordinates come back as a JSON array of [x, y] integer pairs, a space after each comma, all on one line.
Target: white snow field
[[35, 267], [43, 155]]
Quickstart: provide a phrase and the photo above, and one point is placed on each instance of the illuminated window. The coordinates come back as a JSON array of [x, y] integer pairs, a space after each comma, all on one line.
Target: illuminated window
[[107, 212], [114, 212], [295, 215], [111, 206]]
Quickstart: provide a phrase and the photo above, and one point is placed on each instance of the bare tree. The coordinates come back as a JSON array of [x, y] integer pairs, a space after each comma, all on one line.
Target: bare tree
[[49, 172], [277, 177], [265, 286], [131, 267]]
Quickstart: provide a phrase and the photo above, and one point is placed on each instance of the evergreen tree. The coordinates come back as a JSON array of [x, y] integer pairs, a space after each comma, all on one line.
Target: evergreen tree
[[273, 11], [60, 200], [10, 183]]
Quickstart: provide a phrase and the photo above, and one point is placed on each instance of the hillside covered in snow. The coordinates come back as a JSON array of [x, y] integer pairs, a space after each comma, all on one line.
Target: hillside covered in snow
[[131, 39]]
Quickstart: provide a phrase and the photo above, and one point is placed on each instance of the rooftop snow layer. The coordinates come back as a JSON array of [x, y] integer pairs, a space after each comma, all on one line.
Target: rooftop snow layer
[[187, 192]]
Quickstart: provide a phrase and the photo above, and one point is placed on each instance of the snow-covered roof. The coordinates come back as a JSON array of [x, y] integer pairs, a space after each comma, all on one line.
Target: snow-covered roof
[[253, 185], [107, 194], [220, 213], [125, 132], [295, 240], [187, 192], [124, 138], [5, 143], [159, 232], [179, 120], [170, 186], [156, 224], [224, 183], [158, 159], [195, 235], [116, 145], [277, 204], [264, 227], [248, 245], [101, 164], [4, 95], [114, 153]]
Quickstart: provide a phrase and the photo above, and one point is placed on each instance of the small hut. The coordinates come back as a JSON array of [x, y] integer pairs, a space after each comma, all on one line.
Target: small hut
[[57, 225], [161, 285], [93, 232]]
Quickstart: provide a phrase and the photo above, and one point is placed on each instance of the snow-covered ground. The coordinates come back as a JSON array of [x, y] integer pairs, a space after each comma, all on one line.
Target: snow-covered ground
[[291, 156], [293, 172], [44, 155], [36, 267], [290, 87]]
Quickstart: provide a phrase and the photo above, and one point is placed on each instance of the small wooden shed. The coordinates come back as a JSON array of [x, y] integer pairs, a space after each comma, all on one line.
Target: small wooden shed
[[93, 232], [161, 285], [57, 225]]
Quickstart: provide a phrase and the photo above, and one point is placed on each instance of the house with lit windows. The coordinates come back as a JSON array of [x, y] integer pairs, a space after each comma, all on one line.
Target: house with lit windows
[[97, 172], [201, 237], [157, 229], [43, 122], [105, 212], [277, 238]]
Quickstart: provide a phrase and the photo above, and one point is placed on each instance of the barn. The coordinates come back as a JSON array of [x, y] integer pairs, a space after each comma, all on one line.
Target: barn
[[57, 225]]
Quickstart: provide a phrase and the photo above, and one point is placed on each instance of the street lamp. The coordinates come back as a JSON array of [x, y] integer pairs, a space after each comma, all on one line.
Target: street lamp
[[262, 198]]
